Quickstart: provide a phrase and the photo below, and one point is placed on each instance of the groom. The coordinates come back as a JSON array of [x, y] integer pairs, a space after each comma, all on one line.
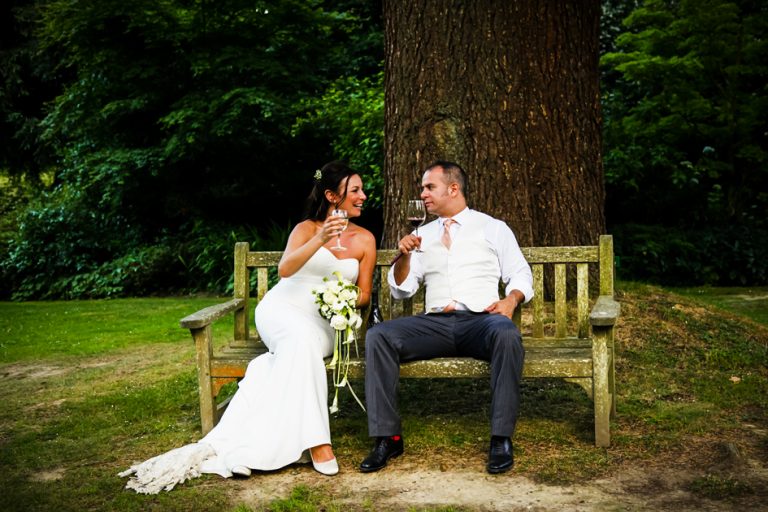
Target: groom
[[465, 254]]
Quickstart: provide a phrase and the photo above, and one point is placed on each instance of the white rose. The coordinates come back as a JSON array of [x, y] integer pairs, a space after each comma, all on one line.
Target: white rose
[[348, 295], [337, 306], [338, 322], [324, 310], [355, 320], [329, 297]]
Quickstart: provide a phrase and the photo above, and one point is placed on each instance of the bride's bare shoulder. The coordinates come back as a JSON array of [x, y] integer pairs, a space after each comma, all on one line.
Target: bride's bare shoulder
[[363, 233], [302, 232], [307, 226]]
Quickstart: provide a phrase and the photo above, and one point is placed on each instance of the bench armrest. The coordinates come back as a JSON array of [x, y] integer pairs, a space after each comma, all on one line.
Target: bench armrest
[[210, 314], [605, 312]]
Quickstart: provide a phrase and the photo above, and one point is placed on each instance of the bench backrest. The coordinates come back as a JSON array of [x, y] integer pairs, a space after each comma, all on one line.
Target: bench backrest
[[566, 269]]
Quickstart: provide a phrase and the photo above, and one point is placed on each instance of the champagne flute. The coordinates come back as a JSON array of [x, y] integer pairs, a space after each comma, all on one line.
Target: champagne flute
[[416, 215], [342, 214]]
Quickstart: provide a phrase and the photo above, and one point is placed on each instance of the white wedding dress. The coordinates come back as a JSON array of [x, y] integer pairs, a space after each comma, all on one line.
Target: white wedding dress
[[281, 406]]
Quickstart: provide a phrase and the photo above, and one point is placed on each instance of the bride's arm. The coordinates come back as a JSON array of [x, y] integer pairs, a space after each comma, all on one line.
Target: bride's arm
[[304, 241], [367, 266]]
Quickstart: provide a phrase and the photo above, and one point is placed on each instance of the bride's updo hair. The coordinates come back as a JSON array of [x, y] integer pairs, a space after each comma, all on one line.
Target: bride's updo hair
[[329, 177]]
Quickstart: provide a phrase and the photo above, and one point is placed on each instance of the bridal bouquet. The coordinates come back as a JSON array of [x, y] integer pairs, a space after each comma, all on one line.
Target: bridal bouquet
[[338, 304]]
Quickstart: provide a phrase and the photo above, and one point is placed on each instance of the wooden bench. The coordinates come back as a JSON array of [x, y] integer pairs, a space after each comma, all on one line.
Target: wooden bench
[[569, 337]]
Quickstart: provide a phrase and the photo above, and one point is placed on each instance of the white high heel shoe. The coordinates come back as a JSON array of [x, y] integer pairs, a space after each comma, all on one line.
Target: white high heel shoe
[[328, 468]]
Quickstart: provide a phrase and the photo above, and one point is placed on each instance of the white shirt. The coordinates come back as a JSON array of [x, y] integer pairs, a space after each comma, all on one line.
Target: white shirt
[[515, 271]]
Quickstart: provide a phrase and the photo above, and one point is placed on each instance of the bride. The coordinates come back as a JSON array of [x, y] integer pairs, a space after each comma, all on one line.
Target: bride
[[279, 414]]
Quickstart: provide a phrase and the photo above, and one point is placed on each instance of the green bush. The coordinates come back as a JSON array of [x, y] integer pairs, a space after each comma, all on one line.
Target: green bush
[[53, 257], [351, 111], [58, 236], [142, 271], [207, 253], [719, 256]]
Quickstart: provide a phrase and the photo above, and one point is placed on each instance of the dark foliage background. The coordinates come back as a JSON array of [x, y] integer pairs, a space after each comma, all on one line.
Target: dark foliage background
[[141, 139], [685, 99], [158, 132]]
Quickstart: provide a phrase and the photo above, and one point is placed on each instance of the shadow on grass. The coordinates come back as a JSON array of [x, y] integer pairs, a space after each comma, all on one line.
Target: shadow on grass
[[446, 426]]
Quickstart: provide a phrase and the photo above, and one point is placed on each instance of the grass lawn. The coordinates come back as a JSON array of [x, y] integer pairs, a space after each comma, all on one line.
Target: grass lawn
[[39, 330], [750, 302], [90, 387]]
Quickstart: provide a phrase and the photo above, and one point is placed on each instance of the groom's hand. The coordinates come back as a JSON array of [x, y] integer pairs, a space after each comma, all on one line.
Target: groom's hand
[[507, 305], [409, 243]]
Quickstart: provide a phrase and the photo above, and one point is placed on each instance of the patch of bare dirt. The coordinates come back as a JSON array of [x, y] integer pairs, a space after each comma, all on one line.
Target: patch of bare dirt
[[750, 297], [669, 482], [124, 363], [48, 405], [32, 371], [50, 475], [41, 371], [404, 485]]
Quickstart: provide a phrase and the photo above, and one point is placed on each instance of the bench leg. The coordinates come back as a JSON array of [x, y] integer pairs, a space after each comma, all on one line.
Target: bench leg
[[601, 369], [612, 374], [204, 348]]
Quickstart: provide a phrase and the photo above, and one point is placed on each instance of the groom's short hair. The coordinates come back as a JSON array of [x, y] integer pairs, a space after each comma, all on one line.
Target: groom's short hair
[[452, 173]]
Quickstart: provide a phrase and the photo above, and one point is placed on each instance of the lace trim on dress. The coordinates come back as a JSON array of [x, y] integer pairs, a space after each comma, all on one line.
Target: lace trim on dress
[[164, 472]]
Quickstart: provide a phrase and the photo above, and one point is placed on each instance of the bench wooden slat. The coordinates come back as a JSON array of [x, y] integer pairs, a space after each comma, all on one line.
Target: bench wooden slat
[[561, 254], [254, 346], [560, 362], [263, 259], [385, 295], [582, 298], [538, 300], [539, 362], [606, 267], [241, 291], [262, 286], [561, 311], [567, 342]]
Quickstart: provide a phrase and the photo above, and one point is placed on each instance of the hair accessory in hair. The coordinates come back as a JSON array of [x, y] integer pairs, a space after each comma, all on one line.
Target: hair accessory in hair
[[318, 175]]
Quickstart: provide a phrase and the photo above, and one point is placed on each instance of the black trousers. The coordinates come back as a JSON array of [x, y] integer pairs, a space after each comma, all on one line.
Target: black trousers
[[490, 337]]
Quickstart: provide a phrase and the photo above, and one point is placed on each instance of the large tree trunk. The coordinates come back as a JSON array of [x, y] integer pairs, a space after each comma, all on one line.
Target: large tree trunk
[[508, 90]]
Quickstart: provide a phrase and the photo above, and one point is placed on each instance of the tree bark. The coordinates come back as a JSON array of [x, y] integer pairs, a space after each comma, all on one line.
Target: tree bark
[[509, 91]]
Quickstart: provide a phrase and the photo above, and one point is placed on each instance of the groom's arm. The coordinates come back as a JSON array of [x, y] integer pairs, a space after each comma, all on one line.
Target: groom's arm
[[409, 280]]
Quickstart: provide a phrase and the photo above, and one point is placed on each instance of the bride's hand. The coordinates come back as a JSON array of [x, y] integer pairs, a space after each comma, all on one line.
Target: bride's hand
[[331, 228]]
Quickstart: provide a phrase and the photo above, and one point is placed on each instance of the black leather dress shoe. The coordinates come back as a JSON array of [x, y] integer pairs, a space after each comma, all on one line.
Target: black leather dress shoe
[[384, 449], [500, 457]]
